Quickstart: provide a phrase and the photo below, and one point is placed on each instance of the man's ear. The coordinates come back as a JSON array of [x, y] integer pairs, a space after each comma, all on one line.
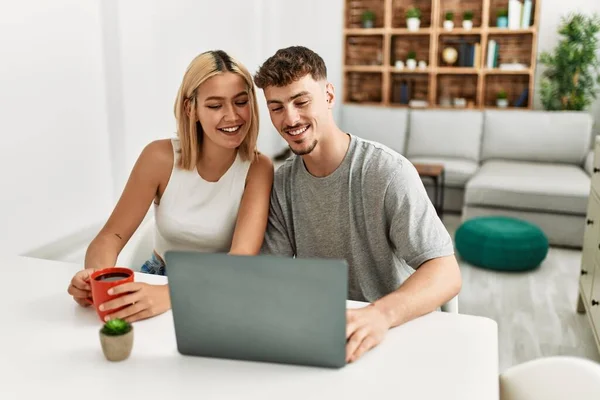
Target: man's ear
[[330, 93]]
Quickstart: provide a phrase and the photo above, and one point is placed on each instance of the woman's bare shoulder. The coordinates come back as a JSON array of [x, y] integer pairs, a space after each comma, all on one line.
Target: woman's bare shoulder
[[261, 167], [159, 152]]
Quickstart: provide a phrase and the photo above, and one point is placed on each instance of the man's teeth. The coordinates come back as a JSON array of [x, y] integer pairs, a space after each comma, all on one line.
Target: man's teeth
[[230, 130], [298, 131]]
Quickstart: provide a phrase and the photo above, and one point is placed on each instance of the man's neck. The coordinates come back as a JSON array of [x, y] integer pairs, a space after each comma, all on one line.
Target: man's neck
[[329, 153]]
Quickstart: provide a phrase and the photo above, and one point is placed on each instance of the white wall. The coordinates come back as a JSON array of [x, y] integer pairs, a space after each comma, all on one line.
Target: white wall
[[55, 167], [157, 40], [550, 18]]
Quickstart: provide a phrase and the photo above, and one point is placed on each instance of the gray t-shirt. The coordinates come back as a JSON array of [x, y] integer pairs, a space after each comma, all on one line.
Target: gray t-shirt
[[372, 211]]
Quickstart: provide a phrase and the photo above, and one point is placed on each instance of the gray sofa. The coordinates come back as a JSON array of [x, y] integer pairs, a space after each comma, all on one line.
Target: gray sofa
[[533, 165]]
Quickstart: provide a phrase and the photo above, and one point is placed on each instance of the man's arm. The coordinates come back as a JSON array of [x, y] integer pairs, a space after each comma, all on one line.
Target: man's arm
[[434, 283], [419, 237]]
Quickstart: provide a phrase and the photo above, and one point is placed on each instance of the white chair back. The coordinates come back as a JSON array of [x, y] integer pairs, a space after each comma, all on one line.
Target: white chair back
[[552, 378]]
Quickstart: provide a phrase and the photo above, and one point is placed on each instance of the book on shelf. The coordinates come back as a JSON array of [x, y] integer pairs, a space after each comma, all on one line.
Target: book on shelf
[[526, 14], [493, 54], [477, 56], [515, 8], [468, 53], [523, 98], [513, 67]]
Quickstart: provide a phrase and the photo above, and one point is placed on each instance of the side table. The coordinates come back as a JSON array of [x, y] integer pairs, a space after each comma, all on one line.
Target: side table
[[437, 174]]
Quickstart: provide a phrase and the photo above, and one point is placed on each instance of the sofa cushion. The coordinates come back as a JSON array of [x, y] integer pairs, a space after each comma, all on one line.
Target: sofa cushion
[[380, 124], [523, 185], [445, 133], [458, 171], [561, 137]]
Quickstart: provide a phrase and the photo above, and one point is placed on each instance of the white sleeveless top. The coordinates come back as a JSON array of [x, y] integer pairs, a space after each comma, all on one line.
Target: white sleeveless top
[[197, 215]]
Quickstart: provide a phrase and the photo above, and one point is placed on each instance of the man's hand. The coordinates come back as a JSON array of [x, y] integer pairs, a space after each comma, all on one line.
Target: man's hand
[[365, 328], [144, 301], [80, 288]]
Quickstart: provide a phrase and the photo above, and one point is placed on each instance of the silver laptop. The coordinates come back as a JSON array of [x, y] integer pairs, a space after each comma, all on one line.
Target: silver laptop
[[259, 308]]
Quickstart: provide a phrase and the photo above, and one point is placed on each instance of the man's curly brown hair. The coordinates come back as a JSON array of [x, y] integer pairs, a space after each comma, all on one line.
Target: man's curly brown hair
[[289, 65]]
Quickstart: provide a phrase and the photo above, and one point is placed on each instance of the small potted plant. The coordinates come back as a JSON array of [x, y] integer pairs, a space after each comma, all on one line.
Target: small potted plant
[[411, 60], [502, 18], [468, 20], [116, 338], [368, 19], [449, 21], [502, 99], [413, 19]]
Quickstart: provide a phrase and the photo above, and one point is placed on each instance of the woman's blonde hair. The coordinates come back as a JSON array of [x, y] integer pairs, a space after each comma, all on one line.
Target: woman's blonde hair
[[189, 130]]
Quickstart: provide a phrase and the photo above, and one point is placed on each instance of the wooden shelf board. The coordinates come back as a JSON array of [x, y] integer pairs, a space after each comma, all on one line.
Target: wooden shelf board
[[365, 31], [459, 31], [505, 108], [404, 31], [498, 71], [364, 68], [410, 71], [506, 31], [364, 103], [456, 70]]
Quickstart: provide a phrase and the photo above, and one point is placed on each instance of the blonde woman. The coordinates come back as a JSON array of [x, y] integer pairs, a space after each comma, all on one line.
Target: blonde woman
[[209, 186]]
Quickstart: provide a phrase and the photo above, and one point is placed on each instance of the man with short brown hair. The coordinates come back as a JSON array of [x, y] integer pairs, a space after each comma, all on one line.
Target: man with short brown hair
[[347, 198]]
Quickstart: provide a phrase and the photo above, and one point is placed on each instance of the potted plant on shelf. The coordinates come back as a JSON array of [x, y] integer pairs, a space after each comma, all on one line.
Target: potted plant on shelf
[[116, 338], [368, 19], [502, 99], [449, 21], [468, 20], [502, 18], [413, 19], [411, 60]]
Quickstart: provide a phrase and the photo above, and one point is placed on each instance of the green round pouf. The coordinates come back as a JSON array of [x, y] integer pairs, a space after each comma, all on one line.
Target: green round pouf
[[501, 243]]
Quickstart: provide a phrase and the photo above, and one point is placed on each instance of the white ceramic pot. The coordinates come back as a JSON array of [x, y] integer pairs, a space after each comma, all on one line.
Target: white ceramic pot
[[502, 103], [422, 64], [411, 64], [399, 64], [448, 25], [413, 24], [468, 25]]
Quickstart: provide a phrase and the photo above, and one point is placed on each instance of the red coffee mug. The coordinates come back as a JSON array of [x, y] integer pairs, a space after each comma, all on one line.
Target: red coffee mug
[[104, 279]]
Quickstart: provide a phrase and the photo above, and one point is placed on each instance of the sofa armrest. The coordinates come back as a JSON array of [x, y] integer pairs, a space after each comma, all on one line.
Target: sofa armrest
[[588, 164]]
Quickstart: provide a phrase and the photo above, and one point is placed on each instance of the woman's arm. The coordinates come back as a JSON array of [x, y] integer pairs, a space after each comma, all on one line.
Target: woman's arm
[[147, 180], [254, 208]]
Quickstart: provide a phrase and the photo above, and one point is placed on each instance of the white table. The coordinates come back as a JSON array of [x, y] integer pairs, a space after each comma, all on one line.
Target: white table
[[49, 346]]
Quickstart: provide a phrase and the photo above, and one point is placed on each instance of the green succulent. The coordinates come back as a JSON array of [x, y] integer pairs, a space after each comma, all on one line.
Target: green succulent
[[449, 16], [413, 12], [572, 75], [502, 95], [468, 15], [368, 15], [412, 55], [503, 12], [116, 327]]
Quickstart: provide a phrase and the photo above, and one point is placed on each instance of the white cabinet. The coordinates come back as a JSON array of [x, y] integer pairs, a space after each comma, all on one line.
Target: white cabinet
[[589, 282]]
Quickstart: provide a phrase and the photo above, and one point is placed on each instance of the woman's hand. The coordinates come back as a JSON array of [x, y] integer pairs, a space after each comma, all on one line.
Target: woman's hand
[[80, 288], [142, 301]]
